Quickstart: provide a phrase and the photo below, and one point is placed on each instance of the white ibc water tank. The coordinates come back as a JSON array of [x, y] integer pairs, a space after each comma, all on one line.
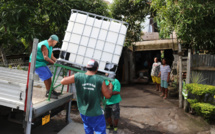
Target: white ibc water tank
[[91, 37]]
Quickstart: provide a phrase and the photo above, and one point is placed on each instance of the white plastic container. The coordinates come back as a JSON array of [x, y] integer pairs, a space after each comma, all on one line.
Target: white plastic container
[[97, 37]]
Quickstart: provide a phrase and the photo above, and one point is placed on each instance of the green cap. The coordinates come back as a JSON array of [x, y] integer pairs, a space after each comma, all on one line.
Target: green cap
[[54, 37]]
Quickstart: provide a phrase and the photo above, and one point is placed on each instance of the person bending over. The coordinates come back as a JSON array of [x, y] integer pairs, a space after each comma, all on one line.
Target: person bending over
[[45, 56]]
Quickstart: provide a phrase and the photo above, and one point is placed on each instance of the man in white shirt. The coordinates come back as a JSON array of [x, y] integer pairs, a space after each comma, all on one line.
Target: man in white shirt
[[155, 72]]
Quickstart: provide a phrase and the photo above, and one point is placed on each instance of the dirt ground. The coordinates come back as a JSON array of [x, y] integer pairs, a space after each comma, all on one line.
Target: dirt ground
[[143, 111], [143, 107]]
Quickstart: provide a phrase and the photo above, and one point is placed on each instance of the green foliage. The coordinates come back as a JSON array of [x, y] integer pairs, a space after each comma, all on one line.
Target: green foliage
[[201, 103], [19, 67], [10, 66], [199, 89], [204, 109], [197, 77], [132, 12], [22, 20], [25, 68], [192, 101], [192, 20]]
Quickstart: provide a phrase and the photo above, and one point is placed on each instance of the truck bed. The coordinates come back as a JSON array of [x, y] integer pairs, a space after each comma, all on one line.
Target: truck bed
[[13, 91]]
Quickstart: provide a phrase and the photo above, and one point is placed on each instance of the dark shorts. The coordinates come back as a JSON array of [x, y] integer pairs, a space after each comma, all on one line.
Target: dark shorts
[[43, 72], [112, 110]]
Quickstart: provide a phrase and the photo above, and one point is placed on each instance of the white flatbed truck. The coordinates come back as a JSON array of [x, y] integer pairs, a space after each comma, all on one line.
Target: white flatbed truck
[[14, 97]]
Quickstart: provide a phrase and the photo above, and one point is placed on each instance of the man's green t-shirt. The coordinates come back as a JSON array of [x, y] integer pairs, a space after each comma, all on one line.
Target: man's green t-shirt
[[89, 94], [40, 61], [115, 98]]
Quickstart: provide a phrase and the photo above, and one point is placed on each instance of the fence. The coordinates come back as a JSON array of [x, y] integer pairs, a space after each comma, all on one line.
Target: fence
[[14, 60], [204, 64]]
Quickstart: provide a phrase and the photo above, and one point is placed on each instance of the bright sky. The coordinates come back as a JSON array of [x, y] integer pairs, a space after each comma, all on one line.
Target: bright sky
[[110, 1]]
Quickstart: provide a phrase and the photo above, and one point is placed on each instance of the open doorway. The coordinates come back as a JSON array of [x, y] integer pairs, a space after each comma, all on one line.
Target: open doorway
[[145, 59]]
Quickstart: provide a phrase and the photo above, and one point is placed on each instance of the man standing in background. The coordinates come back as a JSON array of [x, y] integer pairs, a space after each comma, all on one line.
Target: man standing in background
[[112, 106], [155, 72], [165, 76]]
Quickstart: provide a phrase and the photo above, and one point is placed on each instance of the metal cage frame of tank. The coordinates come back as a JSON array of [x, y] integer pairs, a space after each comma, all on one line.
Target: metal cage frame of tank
[[64, 55], [64, 66]]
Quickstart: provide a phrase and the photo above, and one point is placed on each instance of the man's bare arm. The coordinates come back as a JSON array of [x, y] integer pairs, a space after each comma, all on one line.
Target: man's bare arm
[[107, 92], [159, 75], [45, 55], [115, 93], [68, 80], [168, 77], [53, 58]]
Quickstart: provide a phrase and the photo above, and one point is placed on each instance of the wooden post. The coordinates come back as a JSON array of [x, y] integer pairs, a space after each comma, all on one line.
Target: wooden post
[[28, 117], [126, 63], [131, 65], [188, 77], [180, 77], [5, 63], [132, 68]]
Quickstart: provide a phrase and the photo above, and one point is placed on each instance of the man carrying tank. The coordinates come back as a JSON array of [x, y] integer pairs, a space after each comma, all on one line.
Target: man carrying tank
[[89, 90]]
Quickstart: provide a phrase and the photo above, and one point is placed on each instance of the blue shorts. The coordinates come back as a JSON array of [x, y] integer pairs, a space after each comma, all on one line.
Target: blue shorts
[[95, 123], [164, 84], [43, 72]]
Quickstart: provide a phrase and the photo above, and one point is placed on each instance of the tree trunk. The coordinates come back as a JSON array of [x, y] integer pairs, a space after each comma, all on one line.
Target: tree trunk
[[4, 59], [5, 63]]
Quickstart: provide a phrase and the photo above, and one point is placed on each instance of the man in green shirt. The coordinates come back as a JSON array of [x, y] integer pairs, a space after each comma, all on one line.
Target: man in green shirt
[[90, 89], [112, 106], [45, 56]]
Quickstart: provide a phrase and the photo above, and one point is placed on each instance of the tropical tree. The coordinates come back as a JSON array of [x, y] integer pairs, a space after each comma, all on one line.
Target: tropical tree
[[192, 20], [132, 12], [21, 20]]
